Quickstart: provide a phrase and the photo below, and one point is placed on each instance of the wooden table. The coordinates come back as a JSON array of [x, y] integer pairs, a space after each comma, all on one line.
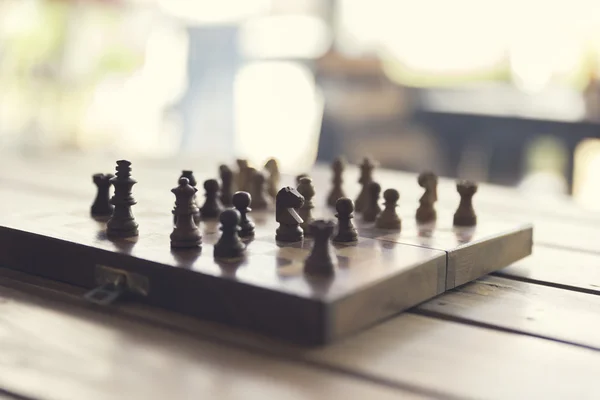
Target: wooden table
[[528, 331]]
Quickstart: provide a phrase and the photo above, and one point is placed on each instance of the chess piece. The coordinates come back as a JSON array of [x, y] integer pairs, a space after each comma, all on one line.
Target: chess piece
[[366, 177], [243, 176], [388, 218], [258, 192], [101, 208], [337, 191], [299, 178], [426, 211], [229, 245], [192, 181], [307, 190], [346, 231], [185, 233], [212, 206], [320, 262], [122, 223], [272, 166], [241, 202], [226, 175], [372, 208], [465, 214], [287, 201]]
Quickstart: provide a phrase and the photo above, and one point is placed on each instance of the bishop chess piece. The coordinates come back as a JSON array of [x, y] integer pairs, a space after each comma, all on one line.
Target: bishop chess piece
[[260, 197], [272, 167], [337, 191], [212, 206], [388, 218], [229, 245], [226, 175], [185, 233], [346, 232], [426, 211], [366, 177], [101, 208], [287, 201], [372, 208], [307, 190], [320, 262], [189, 175], [465, 214], [122, 223], [241, 202]]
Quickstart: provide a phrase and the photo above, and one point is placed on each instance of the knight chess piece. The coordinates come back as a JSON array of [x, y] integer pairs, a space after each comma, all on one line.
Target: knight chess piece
[[372, 208], [272, 167], [388, 218], [229, 245], [226, 175], [465, 214], [320, 261], [185, 233], [212, 206], [101, 208], [307, 190], [287, 201], [366, 177], [337, 191], [192, 181], [426, 211], [260, 197], [122, 223], [241, 202], [346, 232]]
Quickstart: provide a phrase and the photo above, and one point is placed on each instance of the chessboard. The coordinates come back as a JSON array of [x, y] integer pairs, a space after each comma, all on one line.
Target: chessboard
[[267, 290]]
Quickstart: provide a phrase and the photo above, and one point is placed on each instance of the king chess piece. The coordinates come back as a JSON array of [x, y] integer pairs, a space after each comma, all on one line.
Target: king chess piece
[[426, 211], [122, 223], [101, 208], [229, 245], [185, 233], [366, 177], [320, 261], [388, 218], [346, 232], [307, 190], [337, 191], [287, 202], [465, 214]]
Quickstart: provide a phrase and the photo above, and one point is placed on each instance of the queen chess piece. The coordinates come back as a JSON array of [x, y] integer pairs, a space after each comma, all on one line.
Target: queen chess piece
[[185, 233]]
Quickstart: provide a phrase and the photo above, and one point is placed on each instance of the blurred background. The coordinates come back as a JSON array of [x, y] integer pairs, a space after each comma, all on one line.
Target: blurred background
[[501, 91]]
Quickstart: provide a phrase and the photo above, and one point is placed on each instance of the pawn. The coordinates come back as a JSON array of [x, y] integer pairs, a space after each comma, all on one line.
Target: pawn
[[229, 245], [426, 211], [465, 214], [101, 208], [372, 208], [241, 202], [366, 177], [261, 199], [212, 206], [388, 218], [186, 233], [299, 178], [226, 175], [320, 262], [346, 232], [307, 190], [337, 191]]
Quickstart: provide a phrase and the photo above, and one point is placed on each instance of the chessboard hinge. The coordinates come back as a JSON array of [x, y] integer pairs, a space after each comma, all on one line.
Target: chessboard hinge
[[113, 283]]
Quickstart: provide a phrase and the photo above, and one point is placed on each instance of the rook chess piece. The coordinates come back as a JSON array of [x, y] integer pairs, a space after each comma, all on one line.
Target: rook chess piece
[[287, 201], [372, 208], [272, 166], [426, 211], [122, 224], [229, 245], [307, 190], [192, 181], [226, 175], [102, 207], [388, 218], [186, 233], [320, 261], [260, 197], [337, 191], [212, 206], [241, 202], [465, 214], [346, 231], [366, 177]]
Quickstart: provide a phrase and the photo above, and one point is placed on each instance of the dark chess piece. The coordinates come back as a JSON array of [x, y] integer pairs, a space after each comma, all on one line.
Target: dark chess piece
[[287, 201], [388, 218], [307, 190], [372, 208], [260, 197], [320, 262], [243, 175], [272, 166], [102, 207], [465, 214], [122, 224], [226, 175], [299, 178], [229, 245], [337, 191], [186, 233], [366, 177], [241, 202], [212, 206], [426, 211], [189, 175], [346, 231]]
